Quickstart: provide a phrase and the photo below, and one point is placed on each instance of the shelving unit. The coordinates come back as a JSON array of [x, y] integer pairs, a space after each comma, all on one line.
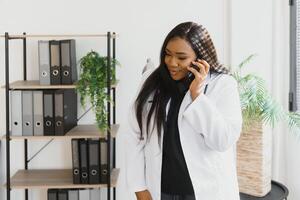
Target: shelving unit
[[58, 178]]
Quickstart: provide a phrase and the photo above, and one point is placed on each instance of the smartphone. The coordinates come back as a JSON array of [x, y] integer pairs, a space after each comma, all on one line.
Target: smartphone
[[190, 76]]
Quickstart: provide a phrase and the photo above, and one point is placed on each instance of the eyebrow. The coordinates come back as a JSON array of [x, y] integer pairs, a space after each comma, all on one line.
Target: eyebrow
[[180, 53]]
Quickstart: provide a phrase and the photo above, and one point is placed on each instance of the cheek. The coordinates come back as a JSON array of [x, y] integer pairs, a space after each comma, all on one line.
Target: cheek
[[183, 73], [185, 63], [167, 59]]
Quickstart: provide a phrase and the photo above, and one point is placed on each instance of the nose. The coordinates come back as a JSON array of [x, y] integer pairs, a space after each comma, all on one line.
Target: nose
[[172, 61]]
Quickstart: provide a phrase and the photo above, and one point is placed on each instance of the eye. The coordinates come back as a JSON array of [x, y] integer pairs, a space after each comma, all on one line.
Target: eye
[[181, 58]]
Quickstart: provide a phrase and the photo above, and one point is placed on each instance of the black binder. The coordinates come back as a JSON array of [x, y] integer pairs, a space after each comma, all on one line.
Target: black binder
[[65, 107], [59, 112], [52, 194], [75, 161], [48, 106], [55, 69], [68, 61], [62, 194], [70, 109], [84, 178], [94, 161], [103, 160]]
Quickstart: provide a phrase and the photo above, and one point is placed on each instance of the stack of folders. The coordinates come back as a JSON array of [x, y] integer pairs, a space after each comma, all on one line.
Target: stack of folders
[[74, 194], [89, 158], [57, 62], [43, 112]]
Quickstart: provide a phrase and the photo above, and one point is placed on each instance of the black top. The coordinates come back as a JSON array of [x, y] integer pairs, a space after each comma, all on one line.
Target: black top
[[175, 178]]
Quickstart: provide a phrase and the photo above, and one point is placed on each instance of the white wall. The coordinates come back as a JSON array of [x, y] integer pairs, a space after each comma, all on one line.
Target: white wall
[[238, 28]]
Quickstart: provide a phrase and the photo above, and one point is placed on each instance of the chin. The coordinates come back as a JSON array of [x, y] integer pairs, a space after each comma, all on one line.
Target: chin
[[177, 78]]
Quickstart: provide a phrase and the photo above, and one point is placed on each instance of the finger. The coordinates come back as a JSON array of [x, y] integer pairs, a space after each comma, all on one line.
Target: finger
[[202, 69], [197, 74], [207, 66]]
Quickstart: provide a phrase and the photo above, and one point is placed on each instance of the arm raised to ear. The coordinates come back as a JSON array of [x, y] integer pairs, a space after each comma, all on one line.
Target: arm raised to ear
[[219, 121]]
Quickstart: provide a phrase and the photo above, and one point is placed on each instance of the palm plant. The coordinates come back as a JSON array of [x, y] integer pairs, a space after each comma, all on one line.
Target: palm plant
[[257, 103]]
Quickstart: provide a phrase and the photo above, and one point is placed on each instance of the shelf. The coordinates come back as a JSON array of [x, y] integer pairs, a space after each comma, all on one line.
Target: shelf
[[59, 36], [35, 84], [53, 178], [80, 131]]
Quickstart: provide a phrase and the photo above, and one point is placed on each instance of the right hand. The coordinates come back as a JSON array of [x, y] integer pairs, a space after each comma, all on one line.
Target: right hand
[[143, 195]]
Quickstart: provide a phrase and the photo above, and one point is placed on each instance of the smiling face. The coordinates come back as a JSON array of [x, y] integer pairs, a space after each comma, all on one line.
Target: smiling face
[[179, 55]]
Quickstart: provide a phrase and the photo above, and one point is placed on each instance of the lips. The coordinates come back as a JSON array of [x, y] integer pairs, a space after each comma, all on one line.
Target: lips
[[174, 70]]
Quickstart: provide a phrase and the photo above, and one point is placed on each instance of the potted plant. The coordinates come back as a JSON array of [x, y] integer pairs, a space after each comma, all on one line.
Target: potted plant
[[92, 84], [254, 146]]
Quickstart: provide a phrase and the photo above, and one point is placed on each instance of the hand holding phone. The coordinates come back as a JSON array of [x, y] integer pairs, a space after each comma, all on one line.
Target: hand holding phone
[[190, 76], [202, 71]]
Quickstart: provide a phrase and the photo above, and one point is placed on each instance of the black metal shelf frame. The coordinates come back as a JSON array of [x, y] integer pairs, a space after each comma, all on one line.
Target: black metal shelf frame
[[111, 38]]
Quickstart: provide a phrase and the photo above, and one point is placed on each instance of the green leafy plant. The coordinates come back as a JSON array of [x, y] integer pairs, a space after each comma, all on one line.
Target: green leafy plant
[[92, 84], [257, 103]]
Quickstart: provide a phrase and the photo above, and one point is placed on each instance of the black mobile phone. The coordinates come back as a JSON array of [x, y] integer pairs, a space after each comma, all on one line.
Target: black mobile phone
[[190, 76]]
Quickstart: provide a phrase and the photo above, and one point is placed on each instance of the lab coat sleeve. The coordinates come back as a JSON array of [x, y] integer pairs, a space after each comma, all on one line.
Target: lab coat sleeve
[[134, 149], [135, 157], [219, 121]]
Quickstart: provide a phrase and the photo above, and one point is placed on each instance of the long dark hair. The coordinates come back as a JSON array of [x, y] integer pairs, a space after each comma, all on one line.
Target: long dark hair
[[161, 85]]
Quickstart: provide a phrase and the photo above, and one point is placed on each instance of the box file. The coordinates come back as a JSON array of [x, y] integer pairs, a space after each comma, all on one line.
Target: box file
[[75, 161], [55, 68], [48, 112], [38, 118], [16, 112], [84, 194], [62, 194], [94, 160], [74, 195], [44, 62], [95, 194], [83, 160], [27, 110], [68, 62], [52, 194], [70, 109], [59, 112]]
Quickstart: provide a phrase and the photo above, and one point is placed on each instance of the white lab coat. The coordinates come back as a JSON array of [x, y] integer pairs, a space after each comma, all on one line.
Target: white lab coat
[[209, 128]]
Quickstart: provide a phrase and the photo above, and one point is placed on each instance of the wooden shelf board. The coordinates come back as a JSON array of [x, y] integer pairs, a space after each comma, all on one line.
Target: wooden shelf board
[[113, 35], [53, 178], [80, 131], [35, 84]]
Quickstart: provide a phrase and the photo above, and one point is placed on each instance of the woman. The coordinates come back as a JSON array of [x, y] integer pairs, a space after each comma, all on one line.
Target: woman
[[183, 132]]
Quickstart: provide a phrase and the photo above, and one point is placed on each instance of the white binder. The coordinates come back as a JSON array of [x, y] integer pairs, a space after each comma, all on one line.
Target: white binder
[[95, 194], [73, 195], [44, 62], [38, 118], [84, 194], [16, 112], [27, 109]]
